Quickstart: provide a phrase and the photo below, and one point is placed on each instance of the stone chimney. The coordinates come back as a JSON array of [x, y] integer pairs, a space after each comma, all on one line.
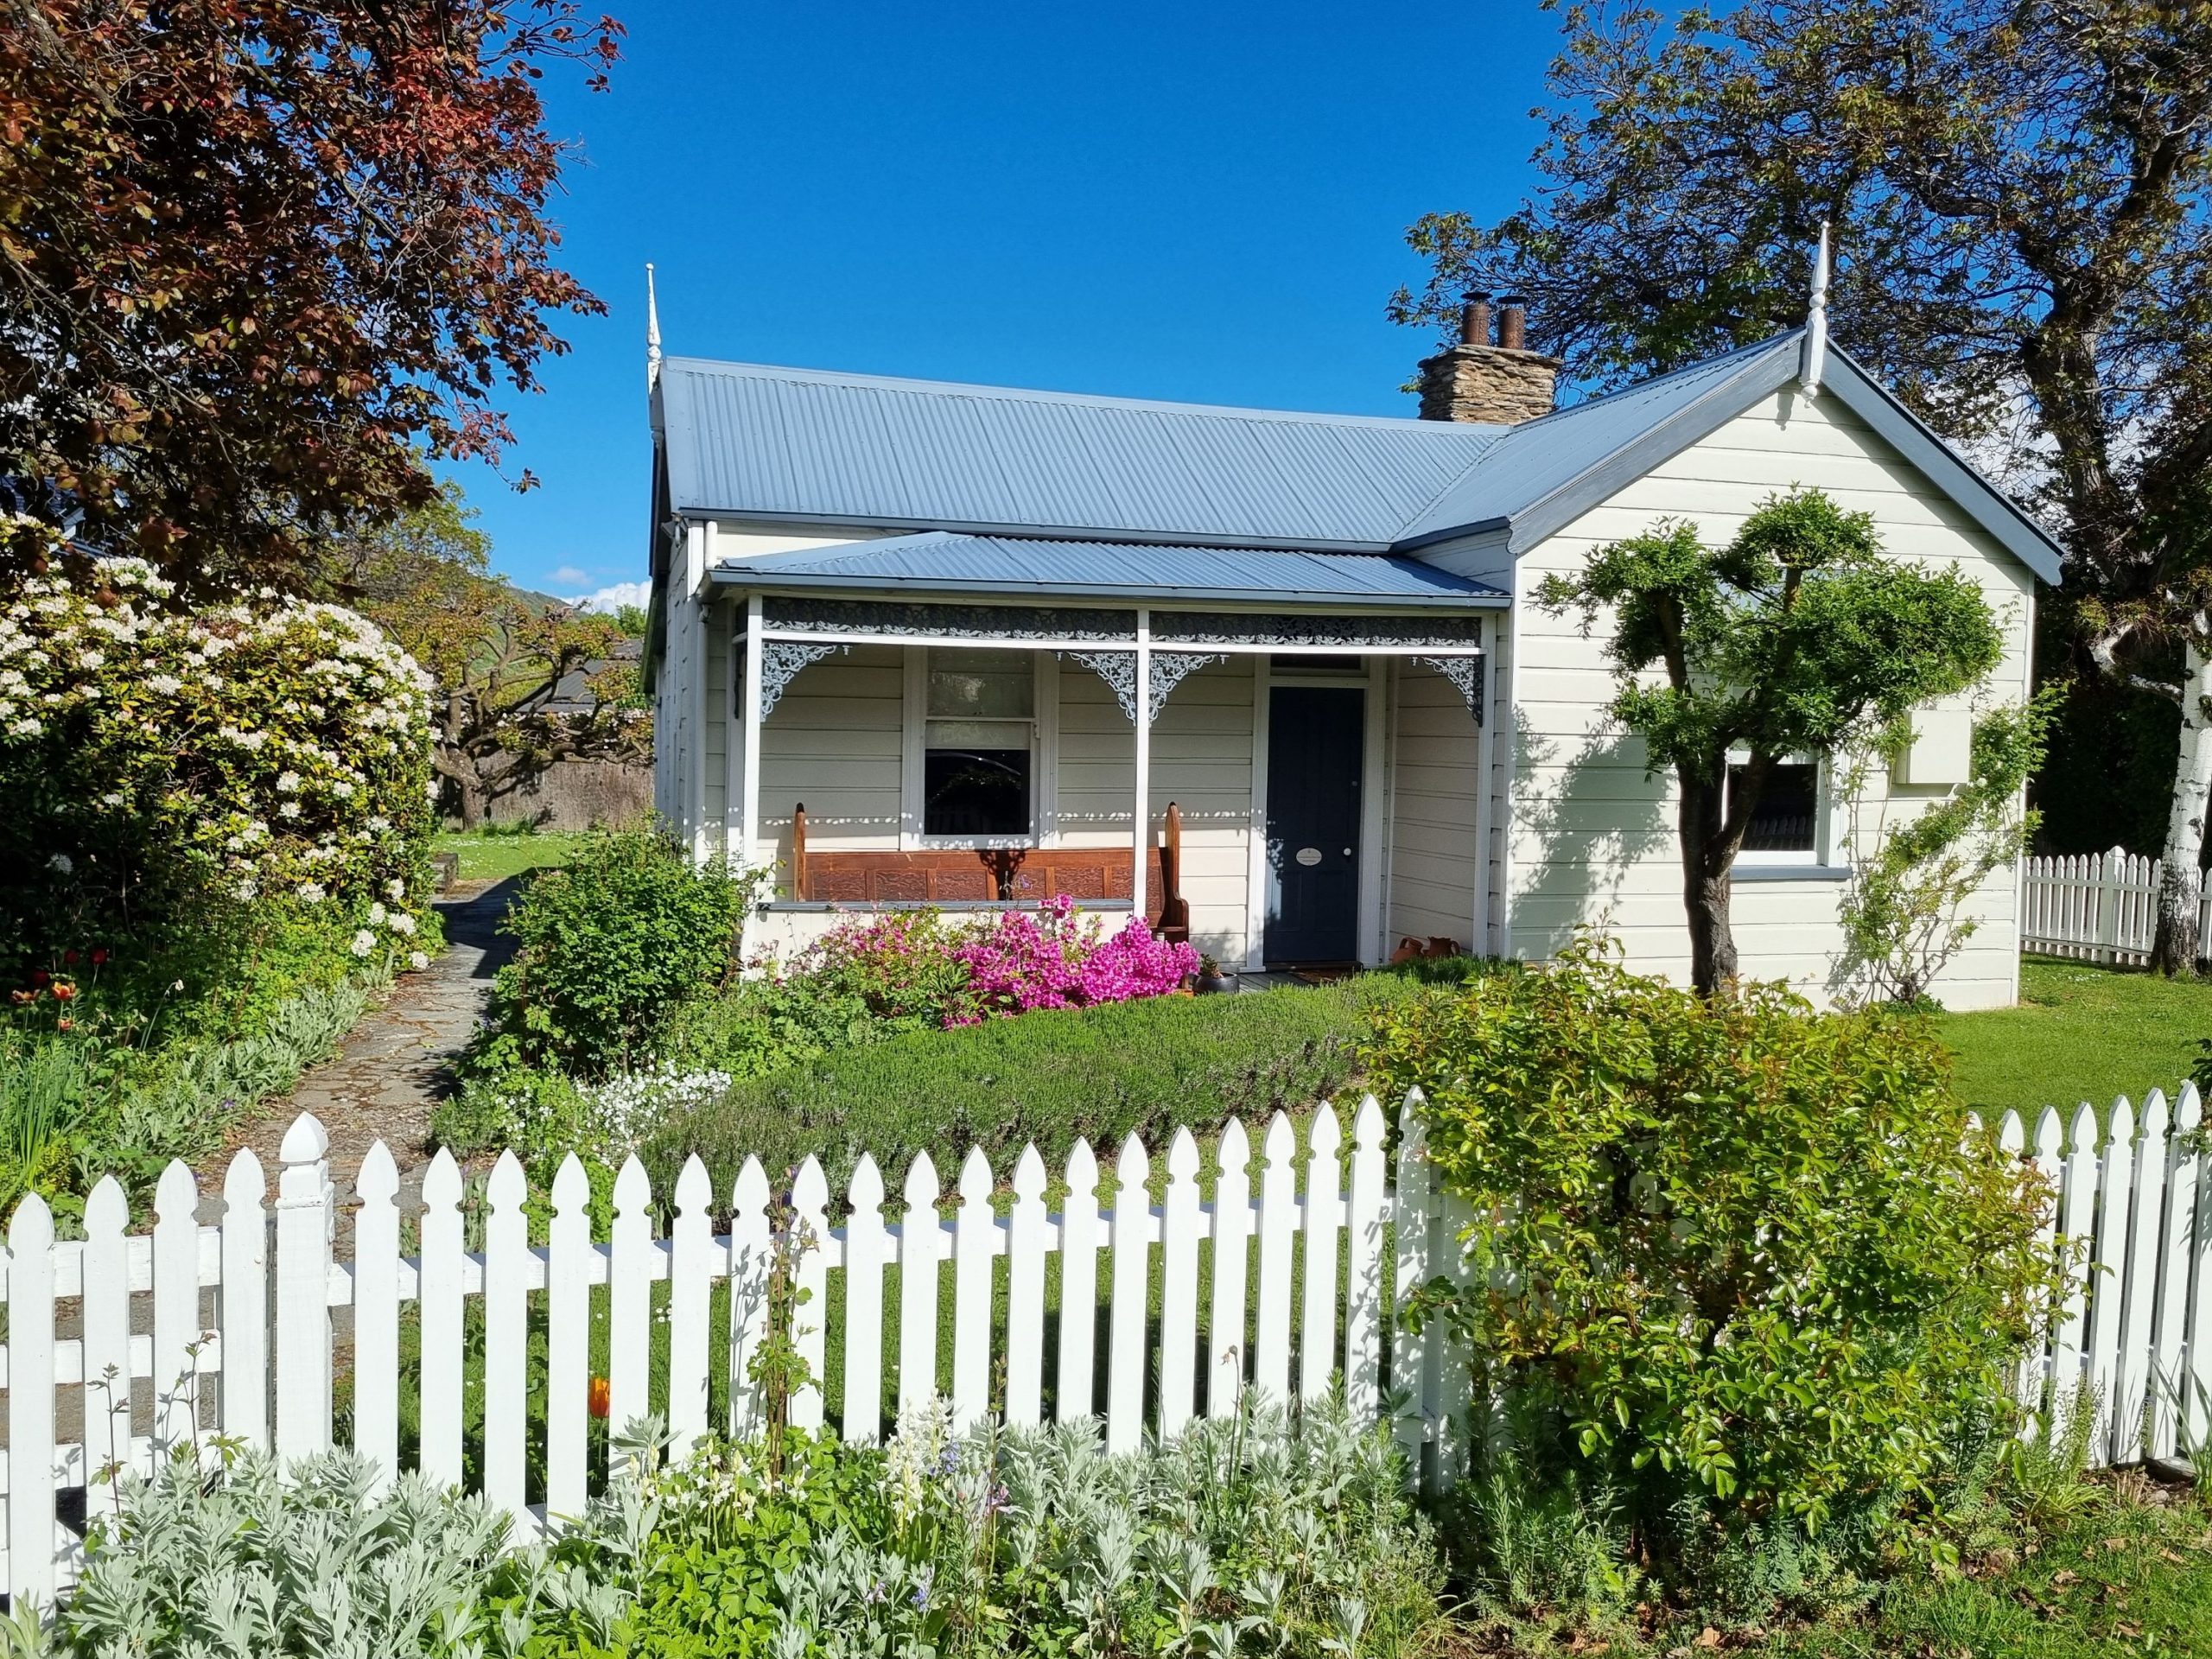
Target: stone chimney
[[1500, 385]]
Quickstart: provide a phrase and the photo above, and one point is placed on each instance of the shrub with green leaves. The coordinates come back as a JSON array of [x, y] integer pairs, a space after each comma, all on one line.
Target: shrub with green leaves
[[1732, 1262], [610, 947]]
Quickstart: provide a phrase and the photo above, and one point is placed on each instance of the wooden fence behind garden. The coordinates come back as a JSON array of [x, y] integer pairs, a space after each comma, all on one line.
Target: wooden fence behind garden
[[1285, 1279], [2098, 907]]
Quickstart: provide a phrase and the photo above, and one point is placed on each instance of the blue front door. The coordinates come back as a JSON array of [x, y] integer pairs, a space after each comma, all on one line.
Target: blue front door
[[1314, 742]]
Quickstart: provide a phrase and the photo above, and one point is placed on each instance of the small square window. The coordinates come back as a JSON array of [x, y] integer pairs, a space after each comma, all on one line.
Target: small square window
[[979, 744], [1787, 817]]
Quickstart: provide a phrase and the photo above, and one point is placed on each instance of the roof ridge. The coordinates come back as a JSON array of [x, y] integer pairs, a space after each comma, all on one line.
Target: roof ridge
[[1456, 429]]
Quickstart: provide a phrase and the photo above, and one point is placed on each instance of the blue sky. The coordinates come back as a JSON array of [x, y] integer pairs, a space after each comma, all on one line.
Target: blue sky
[[1204, 202]]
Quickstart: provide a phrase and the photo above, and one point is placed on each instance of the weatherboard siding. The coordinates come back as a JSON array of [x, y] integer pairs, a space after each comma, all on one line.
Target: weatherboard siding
[[1435, 860], [833, 742], [1592, 839]]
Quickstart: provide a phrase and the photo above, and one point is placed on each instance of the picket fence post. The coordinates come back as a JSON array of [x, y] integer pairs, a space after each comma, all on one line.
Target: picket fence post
[[306, 1207]]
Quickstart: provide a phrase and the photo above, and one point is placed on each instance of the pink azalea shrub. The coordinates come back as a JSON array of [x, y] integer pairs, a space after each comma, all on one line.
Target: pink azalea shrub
[[1045, 958]]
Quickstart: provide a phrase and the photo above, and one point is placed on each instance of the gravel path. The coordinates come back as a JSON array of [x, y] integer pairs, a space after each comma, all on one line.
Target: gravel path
[[395, 1066]]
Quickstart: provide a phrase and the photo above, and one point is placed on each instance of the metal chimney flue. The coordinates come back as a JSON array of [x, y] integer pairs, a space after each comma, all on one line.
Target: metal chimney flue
[[1513, 324], [1474, 320]]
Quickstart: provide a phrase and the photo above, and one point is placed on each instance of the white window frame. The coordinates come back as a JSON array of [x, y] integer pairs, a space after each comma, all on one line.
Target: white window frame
[[1044, 755], [1827, 836]]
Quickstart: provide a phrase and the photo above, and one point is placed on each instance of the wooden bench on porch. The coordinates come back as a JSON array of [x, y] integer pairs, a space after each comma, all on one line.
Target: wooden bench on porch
[[1012, 875]]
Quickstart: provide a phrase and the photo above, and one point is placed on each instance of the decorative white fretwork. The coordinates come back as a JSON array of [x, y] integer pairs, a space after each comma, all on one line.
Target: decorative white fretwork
[[1119, 669], [1466, 674], [1169, 670], [781, 660]]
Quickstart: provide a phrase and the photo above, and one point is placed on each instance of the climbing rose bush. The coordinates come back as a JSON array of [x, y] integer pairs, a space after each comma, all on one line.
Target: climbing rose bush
[[159, 757]]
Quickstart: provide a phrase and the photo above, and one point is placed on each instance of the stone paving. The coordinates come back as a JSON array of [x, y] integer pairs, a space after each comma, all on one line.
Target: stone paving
[[395, 1066]]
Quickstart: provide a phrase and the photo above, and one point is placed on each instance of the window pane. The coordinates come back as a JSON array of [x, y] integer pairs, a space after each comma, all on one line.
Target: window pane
[[975, 791], [986, 684], [1786, 819], [1306, 662], [977, 734]]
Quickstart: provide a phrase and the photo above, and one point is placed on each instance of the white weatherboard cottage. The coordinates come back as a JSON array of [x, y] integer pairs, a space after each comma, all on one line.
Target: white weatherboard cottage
[[1277, 678]]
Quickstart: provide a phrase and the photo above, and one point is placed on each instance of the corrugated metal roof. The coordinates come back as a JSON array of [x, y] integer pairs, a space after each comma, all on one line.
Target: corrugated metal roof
[[749, 441], [945, 562]]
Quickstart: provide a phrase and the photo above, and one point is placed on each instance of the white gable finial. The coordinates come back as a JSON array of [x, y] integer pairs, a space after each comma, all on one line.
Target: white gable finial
[[1815, 355], [652, 331]]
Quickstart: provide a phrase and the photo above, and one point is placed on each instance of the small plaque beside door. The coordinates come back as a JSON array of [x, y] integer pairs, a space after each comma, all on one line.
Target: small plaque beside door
[[1309, 857]]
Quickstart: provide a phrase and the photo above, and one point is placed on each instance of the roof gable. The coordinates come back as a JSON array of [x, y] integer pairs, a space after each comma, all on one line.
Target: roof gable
[[1540, 477]]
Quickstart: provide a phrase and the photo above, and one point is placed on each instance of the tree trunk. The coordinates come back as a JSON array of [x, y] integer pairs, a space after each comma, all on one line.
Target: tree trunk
[[1705, 884], [2180, 883]]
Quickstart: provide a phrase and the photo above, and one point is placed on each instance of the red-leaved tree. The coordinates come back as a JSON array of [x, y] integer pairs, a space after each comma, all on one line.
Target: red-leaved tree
[[260, 264]]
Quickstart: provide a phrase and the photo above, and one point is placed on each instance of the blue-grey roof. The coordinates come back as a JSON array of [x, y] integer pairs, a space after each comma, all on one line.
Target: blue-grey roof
[[770, 443], [948, 562], [747, 442]]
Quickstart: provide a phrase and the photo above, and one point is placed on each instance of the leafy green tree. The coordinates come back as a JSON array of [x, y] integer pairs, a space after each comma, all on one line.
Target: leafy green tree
[[2020, 198], [1785, 642], [522, 684]]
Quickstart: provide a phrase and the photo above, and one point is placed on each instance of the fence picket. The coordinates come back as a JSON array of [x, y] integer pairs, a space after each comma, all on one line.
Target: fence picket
[[810, 1278], [2133, 1423], [2169, 1353], [176, 1307], [693, 1265], [2199, 1340], [567, 1340], [1278, 1216], [1132, 1240], [507, 1275], [1179, 1228], [2108, 1290], [2078, 1211], [919, 1253], [749, 1267], [443, 1289], [974, 1232], [1363, 1272], [303, 1221], [868, 1250], [242, 1304], [376, 1314], [31, 1400], [1413, 1351], [1317, 1333], [107, 1332], [1226, 1349], [1079, 1383], [630, 1298], [1028, 1233]]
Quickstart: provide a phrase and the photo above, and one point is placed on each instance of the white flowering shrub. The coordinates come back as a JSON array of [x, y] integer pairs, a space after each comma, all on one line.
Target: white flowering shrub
[[163, 760]]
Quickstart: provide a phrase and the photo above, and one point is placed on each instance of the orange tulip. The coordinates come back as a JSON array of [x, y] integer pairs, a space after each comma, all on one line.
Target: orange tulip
[[600, 1397]]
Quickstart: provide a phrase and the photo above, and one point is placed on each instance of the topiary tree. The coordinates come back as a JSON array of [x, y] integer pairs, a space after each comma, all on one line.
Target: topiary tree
[[1732, 1265], [1786, 641]]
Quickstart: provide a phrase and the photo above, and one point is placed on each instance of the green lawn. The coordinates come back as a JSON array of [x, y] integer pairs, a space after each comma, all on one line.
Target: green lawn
[[2080, 1034], [495, 855]]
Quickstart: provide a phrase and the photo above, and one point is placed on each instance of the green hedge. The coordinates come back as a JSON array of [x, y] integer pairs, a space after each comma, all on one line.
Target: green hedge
[[1050, 1075]]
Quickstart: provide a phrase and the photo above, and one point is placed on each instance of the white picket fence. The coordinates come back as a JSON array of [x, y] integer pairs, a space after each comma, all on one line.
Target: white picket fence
[[146, 1342], [2097, 907], [192, 1331]]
